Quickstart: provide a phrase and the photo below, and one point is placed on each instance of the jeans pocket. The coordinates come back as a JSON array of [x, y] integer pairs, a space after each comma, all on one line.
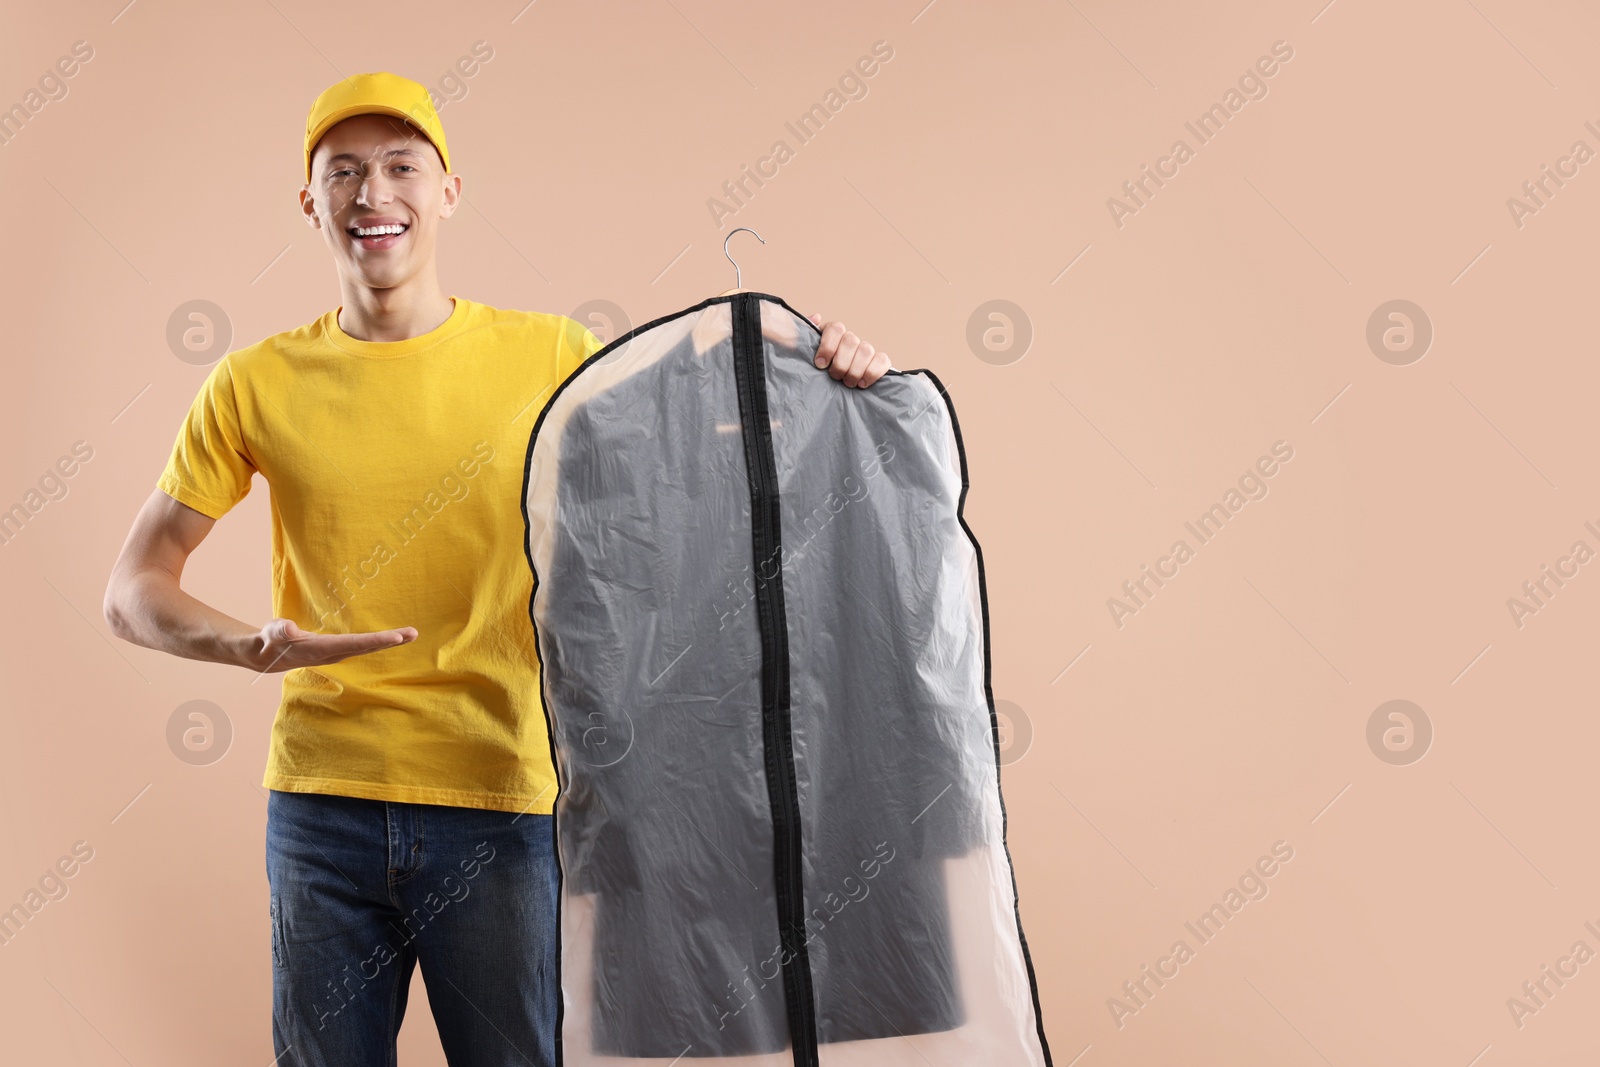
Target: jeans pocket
[[277, 933]]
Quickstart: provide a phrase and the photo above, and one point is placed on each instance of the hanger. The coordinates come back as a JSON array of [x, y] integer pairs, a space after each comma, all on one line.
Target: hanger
[[783, 329], [738, 276]]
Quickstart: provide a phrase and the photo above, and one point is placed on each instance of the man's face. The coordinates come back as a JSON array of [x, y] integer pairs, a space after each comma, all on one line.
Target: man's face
[[377, 171]]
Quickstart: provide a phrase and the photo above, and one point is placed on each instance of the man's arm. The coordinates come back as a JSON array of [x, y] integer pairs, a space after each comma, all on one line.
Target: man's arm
[[144, 604]]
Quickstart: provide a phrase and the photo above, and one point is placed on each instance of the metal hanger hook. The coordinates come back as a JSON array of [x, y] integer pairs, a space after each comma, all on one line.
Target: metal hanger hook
[[738, 276]]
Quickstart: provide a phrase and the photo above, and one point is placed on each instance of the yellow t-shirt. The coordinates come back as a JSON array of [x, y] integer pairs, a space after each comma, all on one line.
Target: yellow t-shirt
[[395, 470]]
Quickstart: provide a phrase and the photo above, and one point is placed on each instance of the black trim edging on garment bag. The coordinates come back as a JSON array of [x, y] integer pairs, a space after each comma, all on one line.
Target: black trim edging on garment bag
[[994, 718], [750, 377]]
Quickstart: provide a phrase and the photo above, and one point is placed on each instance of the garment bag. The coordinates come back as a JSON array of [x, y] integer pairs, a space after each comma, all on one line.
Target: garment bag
[[761, 624]]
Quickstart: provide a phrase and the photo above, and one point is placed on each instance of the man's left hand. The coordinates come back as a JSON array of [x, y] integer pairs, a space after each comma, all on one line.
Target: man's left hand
[[847, 357]]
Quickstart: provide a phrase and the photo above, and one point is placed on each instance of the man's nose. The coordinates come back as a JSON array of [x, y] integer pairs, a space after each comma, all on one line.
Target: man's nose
[[374, 190]]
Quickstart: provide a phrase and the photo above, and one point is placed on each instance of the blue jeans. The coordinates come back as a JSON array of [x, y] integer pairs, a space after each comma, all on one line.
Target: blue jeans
[[363, 890]]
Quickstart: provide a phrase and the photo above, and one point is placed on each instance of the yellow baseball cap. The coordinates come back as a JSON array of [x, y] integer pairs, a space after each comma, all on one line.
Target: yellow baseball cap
[[378, 93]]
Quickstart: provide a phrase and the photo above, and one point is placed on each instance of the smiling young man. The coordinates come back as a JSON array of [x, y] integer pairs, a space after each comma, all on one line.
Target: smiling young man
[[409, 771]]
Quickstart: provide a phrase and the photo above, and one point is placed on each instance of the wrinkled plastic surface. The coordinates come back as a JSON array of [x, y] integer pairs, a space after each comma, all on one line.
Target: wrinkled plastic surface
[[647, 607]]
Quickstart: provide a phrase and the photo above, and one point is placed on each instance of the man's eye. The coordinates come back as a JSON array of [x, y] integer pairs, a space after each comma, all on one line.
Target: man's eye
[[407, 166]]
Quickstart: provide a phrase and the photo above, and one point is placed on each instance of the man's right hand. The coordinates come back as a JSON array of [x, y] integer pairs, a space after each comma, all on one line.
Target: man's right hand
[[283, 646]]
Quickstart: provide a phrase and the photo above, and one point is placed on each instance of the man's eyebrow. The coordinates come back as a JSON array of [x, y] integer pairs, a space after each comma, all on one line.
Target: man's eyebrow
[[387, 152]]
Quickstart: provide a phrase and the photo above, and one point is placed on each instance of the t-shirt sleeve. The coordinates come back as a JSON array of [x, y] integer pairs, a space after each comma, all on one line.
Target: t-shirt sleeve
[[210, 466], [577, 344]]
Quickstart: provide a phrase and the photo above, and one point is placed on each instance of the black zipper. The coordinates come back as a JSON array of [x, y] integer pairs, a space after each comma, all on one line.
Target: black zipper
[[749, 368]]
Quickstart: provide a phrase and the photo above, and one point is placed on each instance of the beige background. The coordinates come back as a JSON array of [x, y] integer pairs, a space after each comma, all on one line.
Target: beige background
[[1167, 354]]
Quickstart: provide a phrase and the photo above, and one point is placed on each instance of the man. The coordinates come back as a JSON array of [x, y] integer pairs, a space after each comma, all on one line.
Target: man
[[410, 777]]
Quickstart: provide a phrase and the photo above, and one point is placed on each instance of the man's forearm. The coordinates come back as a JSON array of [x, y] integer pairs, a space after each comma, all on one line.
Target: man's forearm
[[150, 609]]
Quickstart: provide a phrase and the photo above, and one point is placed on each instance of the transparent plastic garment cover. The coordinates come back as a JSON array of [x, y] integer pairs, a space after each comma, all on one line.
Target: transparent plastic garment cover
[[760, 619]]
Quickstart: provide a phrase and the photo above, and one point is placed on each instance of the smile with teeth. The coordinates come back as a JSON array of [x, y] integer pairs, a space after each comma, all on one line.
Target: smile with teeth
[[378, 231]]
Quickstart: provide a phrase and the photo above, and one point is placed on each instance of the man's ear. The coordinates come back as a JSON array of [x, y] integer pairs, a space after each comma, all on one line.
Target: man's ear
[[308, 207], [452, 195]]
